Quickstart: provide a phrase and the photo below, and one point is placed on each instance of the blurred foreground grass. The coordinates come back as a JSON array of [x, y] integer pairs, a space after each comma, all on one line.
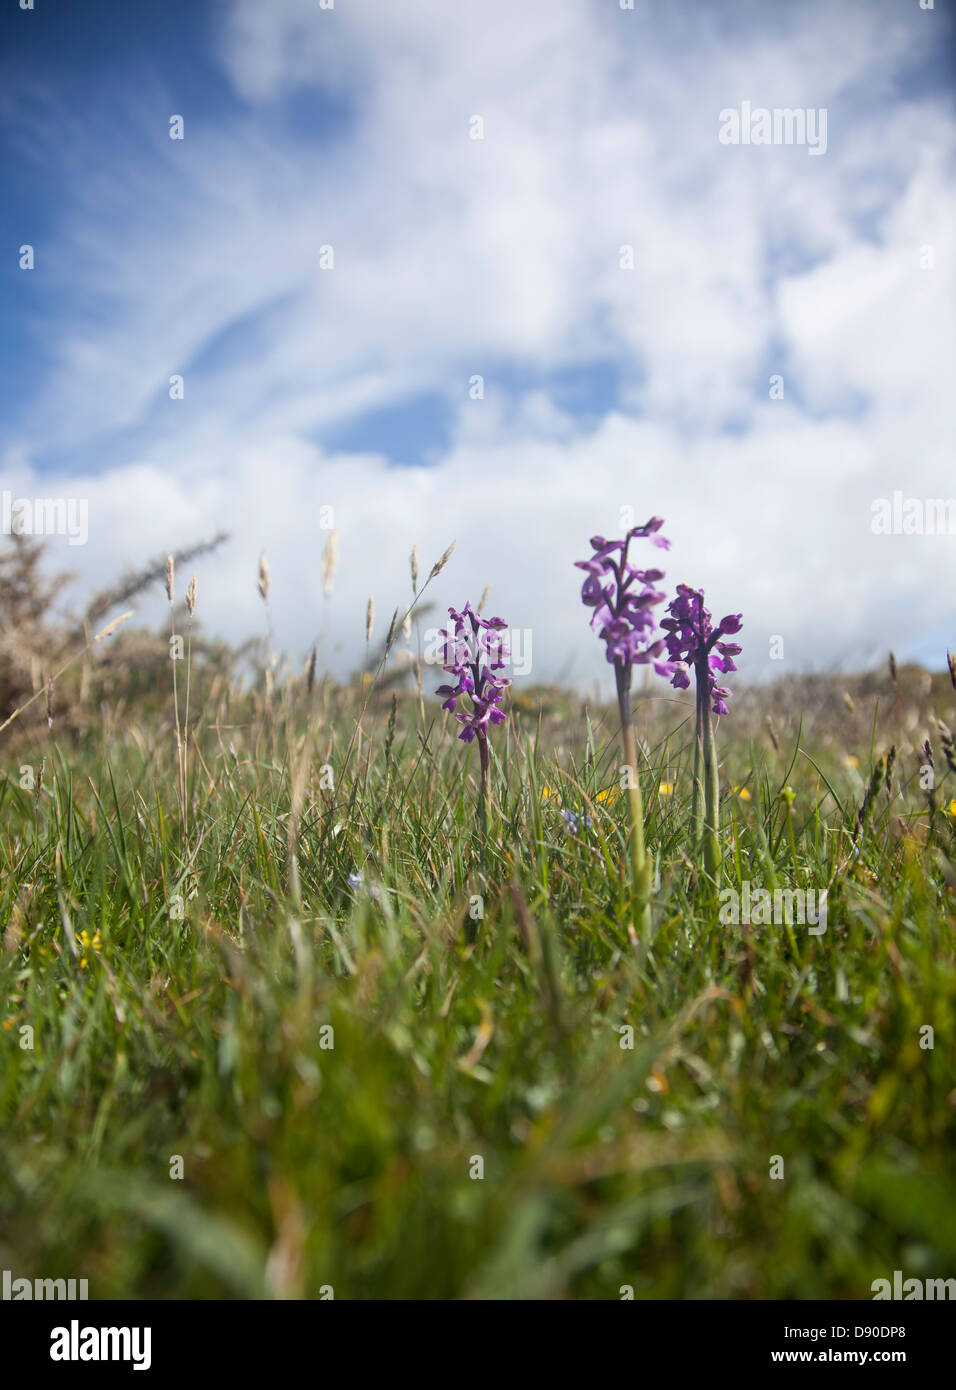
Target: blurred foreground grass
[[333, 1064]]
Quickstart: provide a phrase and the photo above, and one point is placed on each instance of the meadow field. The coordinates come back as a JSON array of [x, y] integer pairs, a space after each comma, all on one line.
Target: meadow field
[[283, 1018]]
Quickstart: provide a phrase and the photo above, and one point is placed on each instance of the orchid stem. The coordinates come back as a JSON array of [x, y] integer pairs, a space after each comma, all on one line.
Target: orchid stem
[[712, 855], [641, 864], [697, 802], [483, 796]]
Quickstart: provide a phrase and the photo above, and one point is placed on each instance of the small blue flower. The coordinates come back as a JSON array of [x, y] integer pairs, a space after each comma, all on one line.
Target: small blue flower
[[572, 821], [362, 889]]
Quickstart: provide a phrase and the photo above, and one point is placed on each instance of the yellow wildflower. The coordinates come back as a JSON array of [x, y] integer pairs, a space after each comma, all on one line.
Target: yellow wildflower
[[89, 943]]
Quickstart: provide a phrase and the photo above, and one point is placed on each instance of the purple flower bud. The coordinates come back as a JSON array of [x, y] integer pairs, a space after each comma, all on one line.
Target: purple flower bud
[[692, 639], [591, 591]]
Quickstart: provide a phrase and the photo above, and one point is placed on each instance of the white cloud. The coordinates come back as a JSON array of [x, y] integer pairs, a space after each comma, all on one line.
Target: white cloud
[[456, 256]]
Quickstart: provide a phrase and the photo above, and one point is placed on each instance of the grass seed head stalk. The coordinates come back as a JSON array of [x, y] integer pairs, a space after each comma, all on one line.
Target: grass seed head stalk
[[190, 609], [263, 584], [624, 597], [436, 570], [264, 577], [171, 595], [330, 558]]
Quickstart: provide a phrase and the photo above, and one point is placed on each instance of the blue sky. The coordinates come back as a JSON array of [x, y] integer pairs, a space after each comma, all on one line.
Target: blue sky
[[604, 388]]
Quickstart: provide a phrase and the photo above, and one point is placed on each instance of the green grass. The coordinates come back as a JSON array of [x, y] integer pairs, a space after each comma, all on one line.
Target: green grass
[[459, 1037]]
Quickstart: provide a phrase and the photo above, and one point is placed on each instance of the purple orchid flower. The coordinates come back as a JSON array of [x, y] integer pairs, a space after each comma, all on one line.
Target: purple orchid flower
[[623, 597], [693, 641], [473, 651]]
